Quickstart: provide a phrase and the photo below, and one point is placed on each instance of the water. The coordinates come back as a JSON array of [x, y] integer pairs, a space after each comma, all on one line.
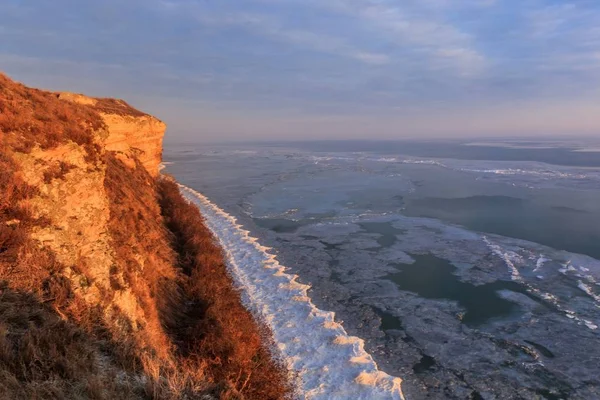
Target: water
[[559, 227], [433, 278], [469, 270]]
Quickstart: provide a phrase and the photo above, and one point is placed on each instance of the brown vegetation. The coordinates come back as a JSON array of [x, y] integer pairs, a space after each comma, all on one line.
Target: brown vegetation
[[57, 170], [33, 116], [145, 266], [219, 330], [45, 357], [116, 106], [183, 332], [15, 223]]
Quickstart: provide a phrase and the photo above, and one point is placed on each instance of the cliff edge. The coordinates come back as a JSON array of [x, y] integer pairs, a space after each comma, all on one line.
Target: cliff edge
[[110, 285], [128, 130]]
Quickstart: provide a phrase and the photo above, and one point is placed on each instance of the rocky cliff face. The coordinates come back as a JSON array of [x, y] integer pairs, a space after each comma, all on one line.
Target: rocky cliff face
[[129, 130], [81, 227], [140, 134], [111, 287], [79, 196]]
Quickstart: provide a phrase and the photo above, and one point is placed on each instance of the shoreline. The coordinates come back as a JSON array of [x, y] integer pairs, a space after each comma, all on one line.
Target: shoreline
[[329, 363]]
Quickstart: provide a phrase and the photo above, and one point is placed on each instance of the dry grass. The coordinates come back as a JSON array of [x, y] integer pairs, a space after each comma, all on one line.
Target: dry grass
[[142, 251], [42, 356], [45, 357], [190, 336], [32, 116], [57, 170], [15, 223], [116, 106], [219, 329]]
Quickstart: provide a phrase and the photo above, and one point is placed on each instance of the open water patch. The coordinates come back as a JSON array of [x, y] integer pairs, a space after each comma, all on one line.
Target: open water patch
[[432, 277]]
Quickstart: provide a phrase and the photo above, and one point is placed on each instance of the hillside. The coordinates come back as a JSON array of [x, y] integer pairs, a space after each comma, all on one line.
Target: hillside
[[111, 285]]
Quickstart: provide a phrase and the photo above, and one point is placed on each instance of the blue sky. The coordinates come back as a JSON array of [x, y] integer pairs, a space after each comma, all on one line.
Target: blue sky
[[265, 69]]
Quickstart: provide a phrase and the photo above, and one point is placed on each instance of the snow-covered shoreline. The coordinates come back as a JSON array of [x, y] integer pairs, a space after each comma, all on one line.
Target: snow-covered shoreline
[[328, 363]]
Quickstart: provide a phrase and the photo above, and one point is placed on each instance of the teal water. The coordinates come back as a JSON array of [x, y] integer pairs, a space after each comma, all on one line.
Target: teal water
[[562, 228], [432, 277], [386, 231]]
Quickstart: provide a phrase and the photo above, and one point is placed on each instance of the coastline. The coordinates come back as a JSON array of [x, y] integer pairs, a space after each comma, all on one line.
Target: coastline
[[328, 362], [111, 286]]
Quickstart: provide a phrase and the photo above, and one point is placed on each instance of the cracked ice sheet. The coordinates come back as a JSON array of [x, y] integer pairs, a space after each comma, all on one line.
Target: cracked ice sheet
[[330, 363], [346, 278]]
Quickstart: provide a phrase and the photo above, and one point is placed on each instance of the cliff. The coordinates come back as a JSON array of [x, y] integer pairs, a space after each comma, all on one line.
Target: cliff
[[94, 242], [128, 130]]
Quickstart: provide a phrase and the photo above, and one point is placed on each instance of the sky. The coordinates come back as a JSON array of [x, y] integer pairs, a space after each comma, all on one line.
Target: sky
[[321, 69]]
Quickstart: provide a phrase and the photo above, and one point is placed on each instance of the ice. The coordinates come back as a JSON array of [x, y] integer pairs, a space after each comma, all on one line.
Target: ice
[[512, 259], [328, 362], [589, 291], [508, 257], [540, 262], [590, 324], [333, 195]]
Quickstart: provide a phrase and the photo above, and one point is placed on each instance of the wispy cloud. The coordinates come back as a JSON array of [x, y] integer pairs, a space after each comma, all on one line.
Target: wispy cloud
[[274, 28], [367, 58], [421, 28]]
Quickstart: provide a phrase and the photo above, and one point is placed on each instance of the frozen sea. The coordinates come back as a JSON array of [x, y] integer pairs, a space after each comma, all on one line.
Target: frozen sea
[[471, 270]]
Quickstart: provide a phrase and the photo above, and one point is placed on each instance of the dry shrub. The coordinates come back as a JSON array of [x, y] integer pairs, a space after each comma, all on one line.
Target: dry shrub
[[22, 261], [57, 170], [116, 106], [220, 331], [31, 116], [45, 357], [191, 336], [15, 218], [141, 246]]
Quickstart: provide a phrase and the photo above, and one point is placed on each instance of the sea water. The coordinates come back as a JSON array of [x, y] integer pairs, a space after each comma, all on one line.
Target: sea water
[[470, 270]]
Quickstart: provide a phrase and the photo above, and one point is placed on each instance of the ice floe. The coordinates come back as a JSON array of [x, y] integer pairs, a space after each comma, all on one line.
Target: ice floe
[[328, 363]]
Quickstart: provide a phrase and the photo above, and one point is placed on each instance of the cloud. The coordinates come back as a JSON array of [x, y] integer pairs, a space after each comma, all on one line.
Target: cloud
[[545, 22], [419, 27], [273, 28], [365, 59]]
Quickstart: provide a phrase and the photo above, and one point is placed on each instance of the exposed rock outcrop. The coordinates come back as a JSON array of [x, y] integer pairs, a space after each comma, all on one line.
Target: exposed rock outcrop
[[79, 214], [88, 198], [142, 134], [94, 242], [129, 130]]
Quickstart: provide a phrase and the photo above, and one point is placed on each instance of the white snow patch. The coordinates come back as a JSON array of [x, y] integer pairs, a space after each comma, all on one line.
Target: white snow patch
[[590, 324], [508, 256], [540, 262], [588, 290], [567, 267], [329, 363], [511, 257]]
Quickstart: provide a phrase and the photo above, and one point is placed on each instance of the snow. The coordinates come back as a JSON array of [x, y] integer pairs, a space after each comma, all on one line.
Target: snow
[[507, 256], [590, 324], [326, 361], [540, 262], [588, 290], [510, 258]]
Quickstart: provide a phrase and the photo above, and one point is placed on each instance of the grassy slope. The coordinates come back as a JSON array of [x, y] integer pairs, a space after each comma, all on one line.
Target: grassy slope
[[195, 339]]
